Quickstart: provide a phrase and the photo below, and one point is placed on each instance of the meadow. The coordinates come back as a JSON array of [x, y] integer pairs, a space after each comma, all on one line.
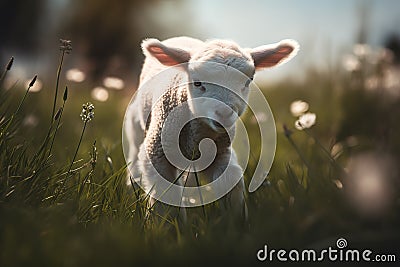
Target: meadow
[[64, 200]]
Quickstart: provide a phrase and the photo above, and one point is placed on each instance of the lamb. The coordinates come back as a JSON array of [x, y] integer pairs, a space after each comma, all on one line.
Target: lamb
[[190, 95]]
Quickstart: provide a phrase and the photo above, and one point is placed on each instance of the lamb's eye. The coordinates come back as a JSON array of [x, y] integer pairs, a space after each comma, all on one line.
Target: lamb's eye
[[248, 82], [197, 83]]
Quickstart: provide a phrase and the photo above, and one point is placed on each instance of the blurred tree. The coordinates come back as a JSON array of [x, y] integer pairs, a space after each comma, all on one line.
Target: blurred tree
[[20, 28], [392, 43], [363, 14], [106, 34]]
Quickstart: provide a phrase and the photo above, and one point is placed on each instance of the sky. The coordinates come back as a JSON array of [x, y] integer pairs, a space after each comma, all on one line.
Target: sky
[[325, 29]]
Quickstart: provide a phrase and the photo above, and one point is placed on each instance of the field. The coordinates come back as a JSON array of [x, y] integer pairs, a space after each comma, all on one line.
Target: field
[[64, 201]]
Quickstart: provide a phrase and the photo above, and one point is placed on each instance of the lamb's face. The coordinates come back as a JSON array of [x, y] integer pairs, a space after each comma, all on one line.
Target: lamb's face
[[220, 73], [220, 86]]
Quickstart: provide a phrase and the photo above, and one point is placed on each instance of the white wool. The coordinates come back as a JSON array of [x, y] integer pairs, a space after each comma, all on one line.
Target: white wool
[[144, 137]]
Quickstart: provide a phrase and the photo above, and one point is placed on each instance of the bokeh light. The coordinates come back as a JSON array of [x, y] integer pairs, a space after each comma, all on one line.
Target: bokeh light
[[114, 83], [369, 183], [100, 94], [75, 75]]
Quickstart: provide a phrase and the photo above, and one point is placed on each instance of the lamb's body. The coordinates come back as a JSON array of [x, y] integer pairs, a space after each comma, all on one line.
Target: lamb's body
[[148, 125], [147, 114]]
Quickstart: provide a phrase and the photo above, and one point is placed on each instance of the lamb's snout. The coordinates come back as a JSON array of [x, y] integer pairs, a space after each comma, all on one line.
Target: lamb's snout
[[223, 113], [225, 116]]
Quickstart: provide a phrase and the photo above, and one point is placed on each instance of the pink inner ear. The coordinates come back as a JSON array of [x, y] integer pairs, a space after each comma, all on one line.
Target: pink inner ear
[[168, 56], [155, 50], [265, 59], [285, 50], [161, 56]]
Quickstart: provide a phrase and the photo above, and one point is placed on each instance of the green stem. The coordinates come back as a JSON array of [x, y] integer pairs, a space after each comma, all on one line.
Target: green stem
[[298, 151], [3, 76], [56, 129], [333, 161], [77, 148], [201, 196], [16, 111], [72, 163], [57, 82], [6, 70], [22, 101]]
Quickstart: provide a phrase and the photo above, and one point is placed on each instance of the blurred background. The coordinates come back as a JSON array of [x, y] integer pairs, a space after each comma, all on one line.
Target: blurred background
[[106, 36], [350, 51], [338, 178]]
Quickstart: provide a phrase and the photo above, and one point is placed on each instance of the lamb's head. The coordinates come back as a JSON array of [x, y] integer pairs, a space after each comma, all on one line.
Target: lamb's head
[[220, 73]]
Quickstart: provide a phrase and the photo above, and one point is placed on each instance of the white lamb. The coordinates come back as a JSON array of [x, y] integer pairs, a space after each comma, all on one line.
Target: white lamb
[[199, 75]]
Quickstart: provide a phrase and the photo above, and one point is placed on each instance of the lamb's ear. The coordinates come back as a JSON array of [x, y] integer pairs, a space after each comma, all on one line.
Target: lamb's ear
[[274, 54], [168, 56]]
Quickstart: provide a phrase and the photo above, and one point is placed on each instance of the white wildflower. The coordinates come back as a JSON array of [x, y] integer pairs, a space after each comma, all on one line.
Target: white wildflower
[[87, 113], [305, 121], [298, 108]]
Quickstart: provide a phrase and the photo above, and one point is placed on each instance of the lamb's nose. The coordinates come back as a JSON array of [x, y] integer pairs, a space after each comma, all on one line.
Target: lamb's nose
[[224, 113]]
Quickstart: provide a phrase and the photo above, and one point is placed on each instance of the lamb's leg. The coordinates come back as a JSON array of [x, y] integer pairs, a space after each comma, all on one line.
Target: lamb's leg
[[134, 137], [149, 172], [235, 198], [237, 201]]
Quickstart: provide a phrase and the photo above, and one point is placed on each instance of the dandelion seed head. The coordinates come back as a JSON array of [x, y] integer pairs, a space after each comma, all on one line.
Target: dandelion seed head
[[65, 46], [87, 113], [298, 107], [305, 121]]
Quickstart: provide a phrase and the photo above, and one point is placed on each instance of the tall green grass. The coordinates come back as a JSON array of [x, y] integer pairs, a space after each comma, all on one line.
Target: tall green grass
[[64, 199]]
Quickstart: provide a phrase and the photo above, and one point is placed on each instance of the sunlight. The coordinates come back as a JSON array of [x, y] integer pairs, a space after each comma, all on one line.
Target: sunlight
[[114, 83], [100, 94], [75, 75]]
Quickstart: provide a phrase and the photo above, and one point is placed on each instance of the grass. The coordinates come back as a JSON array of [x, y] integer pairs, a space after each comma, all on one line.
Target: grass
[[64, 202]]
